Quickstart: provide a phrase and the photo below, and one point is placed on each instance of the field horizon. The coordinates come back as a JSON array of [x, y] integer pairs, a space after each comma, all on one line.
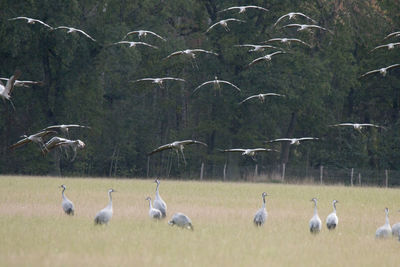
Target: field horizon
[[36, 232]]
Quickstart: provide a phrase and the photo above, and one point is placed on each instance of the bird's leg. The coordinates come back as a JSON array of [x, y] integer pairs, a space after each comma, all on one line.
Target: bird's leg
[[12, 104], [177, 154], [194, 63], [183, 156], [73, 158], [227, 28]]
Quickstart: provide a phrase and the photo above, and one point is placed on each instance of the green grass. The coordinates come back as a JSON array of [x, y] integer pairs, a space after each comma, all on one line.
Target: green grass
[[35, 231]]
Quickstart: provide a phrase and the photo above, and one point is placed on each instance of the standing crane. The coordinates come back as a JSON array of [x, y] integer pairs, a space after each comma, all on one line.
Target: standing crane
[[315, 222], [104, 216], [153, 213], [261, 216], [158, 202], [385, 230], [67, 204], [332, 219]]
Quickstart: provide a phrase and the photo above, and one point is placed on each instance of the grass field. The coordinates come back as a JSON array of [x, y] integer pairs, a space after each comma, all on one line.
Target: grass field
[[35, 231]]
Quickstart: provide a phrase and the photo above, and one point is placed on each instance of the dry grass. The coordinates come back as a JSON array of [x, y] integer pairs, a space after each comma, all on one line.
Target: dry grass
[[35, 232]]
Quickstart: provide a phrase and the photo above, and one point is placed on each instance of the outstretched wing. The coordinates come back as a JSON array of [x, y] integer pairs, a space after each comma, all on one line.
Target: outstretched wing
[[10, 83], [300, 41], [369, 72], [391, 34], [279, 19], [212, 26], [204, 51], [307, 138], [87, 35], [233, 150], [301, 14], [231, 84], [155, 34], [158, 149], [20, 143], [175, 79], [250, 97], [201, 85], [280, 140], [174, 54], [255, 61], [189, 142]]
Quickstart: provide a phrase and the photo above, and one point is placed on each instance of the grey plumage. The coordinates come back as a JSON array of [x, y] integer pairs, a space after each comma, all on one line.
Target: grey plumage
[[385, 230], [181, 220], [315, 222], [67, 204], [104, 216], [153, 213], [261, 216], [332, 219], [158, 202]]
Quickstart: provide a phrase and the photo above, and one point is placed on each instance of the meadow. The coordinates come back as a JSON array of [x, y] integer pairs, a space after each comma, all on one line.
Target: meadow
[[35, 231]]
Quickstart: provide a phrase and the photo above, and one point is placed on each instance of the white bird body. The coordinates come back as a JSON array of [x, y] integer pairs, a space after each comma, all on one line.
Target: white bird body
[[389, 46], [160, 81], [224, 23], [302, 27], [332, 219], [71, 30], [256, 48], [216, 84], [73, 144], [33, 21], [134, 44], [287, 41], [36, 138], [382, 71], [385, 230], [67, 204], [5, 91], [293, 141], [153, 213], [315, 222], [158, 202], [292, 15], [143, 33], [251, 152], [261, 215], [242, 9], [357, 126], [190, 53], [265, 58], [181, 220], [104, 215], [261, 97], [396, 229]]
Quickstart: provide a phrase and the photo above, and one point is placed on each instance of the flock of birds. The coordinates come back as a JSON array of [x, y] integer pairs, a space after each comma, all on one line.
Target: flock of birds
[[158, 211]]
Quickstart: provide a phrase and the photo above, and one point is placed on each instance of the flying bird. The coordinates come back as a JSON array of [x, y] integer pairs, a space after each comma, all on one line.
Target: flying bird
[[287, 41], [293, 141], [33, 21], [292, 15], [216, 84], [251, 152], [67, 204], [18, 83], [71, 30], [143, 33], [177, 146], [158, 202], [256, 48], [34, 138], [332, 219], [302, 27], [261, 97], [385, 230], [73, 144], [261, 216], [153, 213], [264, 58], [397, 34], [181, 220], [64, 128], [224, 23], [134, 44], [242, 9], [5, 91], [104, 215], [315, 222], [190, 52], [389, 46], [160, 81], [382, 71], [357, 126]]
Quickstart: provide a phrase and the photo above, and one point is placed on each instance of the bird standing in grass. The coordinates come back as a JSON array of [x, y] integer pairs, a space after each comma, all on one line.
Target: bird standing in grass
[[104, 216], [261, 216], [67, 204], [332, 219], [315, 222], [153, 213], [181, 220], [158, 202], [385, 230]]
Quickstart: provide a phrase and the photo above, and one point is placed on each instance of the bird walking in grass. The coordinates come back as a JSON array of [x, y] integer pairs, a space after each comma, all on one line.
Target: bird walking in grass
[[332, 219], [104, 216], [67, 204], [181, 220], [261, 216], [153, 213], [158, 202], [315, 222], [385, 230]]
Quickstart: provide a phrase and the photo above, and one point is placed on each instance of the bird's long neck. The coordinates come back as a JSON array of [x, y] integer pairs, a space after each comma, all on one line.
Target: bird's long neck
[[315, 208], [63, 196], [334, 207], [110, 203], [263, 202], [387, 218], [157, 193], [150, 206]]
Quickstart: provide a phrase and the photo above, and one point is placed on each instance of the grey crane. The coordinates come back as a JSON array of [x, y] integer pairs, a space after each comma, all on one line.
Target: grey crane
[[315, 222], [251, 152], [181, 220], [5, 91], [73, 144], [158, 202], [293, 141], [396, 229], [160, 81], [71, 30], [242, 9], [382, 71], [293, 15], [302, 27], [256, 48], [356, 126], [389, 46], [264, 58], [153, 213], [216, 84], [143, 33], [224, 23], [18, 83], [34, 138], [177, 146], [64, 128], [33, 21], [261, 97], [287, 41], [261, 215], [104, 216], [332, 219], [385, 230], [396, 34], [67, 204], [190, 52], [52, 143], [134, 44]]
